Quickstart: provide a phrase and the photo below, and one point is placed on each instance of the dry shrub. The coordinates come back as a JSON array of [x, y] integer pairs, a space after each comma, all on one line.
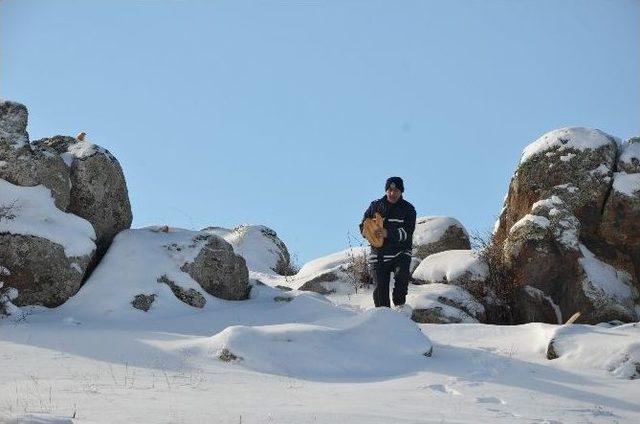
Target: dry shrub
[[357, 268], [286, 268], [500, 287]]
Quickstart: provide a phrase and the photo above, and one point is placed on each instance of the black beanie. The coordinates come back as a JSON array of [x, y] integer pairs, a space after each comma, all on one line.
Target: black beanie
[[397, 181]]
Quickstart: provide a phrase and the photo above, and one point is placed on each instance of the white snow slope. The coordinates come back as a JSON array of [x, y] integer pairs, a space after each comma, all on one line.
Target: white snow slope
[[304, 359]]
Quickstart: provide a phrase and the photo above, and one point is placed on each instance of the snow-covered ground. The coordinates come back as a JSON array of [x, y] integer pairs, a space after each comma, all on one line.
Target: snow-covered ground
[[299, 357]]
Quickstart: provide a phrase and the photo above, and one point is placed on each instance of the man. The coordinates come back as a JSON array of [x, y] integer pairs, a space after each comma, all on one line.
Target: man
[[395, 254]]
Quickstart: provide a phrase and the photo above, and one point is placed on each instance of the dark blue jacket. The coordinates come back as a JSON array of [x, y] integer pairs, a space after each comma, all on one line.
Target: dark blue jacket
[[400, 222]]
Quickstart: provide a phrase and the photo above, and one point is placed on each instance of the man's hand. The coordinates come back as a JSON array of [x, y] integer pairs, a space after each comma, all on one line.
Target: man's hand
[[381, 232]]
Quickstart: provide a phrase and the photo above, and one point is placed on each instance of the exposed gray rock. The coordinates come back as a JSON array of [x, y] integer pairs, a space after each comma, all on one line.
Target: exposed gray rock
[[580, 177], [551, 350], [13, 123], [226, 355], [51, 171], [143, 301], [316, 284], [260, 246], [283, 298], [219, 270], [190, 296], [98, 188], [40, 270], [27, 167], [283, 288]]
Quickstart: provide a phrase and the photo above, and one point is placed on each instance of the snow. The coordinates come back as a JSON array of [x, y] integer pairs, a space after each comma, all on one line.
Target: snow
[[249, 241], [615, 350], [605, 279], [429, 296], [312, 359], [567, 157], [450, 265], [573, 138], [167, 371], [540, 221], [32, 212], [332, 349], [334, 261], [630, 151], [626, 184], [430, 229], [132, 266], [569, 187], [81, 150]]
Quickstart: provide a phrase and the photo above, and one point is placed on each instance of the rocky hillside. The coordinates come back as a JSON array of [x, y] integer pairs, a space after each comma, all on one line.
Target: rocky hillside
[[567, 240]]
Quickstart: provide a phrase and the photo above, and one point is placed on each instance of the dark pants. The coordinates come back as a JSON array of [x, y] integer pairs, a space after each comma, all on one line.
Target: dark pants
[[381, 274]]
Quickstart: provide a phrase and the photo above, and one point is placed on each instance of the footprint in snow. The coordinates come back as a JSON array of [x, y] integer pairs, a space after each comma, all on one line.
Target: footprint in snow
[[444, 389], [490, 399]]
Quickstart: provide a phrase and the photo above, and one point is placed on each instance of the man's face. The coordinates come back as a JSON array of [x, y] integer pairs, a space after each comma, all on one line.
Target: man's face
[[393, 194]]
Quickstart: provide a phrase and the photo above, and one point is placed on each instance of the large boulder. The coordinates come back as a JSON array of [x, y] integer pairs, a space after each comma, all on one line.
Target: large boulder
[[434, 234], [568, 229], [219, 270], [23, 165], [620, 225], [543, 250], [576, 164], [98, 187], [260, 246], [47, 250]]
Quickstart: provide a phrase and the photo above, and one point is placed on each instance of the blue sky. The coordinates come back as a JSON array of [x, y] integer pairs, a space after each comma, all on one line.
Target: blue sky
[[293, 114]]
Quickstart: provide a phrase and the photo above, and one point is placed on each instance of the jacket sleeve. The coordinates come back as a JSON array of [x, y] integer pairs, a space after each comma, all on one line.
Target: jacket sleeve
[[404, 231], [367, 214]]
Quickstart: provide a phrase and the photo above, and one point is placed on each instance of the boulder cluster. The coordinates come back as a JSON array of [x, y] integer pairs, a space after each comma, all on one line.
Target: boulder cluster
[[567, 239], [63, 200]]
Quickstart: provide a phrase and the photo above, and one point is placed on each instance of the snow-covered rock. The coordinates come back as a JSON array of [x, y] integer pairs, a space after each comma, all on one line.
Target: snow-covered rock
[[219, 271], [332, 349], [98, 187], [564, 141], [47, 250], [546, 253], [575, 164], [340, 272], [464, 268], [444, 303], [260, 246], [612, 350], [435, 234], [629, 159], [572, 208], [163, 272]]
